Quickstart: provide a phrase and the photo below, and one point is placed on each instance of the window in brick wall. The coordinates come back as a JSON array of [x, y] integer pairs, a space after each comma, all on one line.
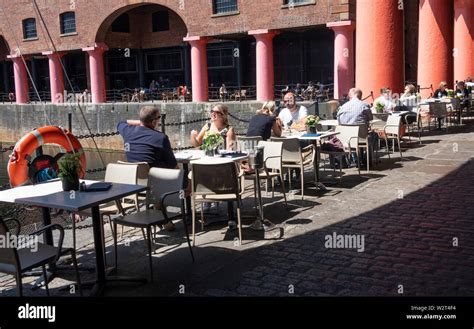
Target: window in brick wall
[[224, 6], [68, 22], [160, 21], [121, 24], [164, 61], [29, 29], [220, 58]]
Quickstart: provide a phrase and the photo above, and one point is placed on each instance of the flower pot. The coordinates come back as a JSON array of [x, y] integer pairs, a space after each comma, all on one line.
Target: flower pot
[[70, 183], [211, 153], [312, 130]]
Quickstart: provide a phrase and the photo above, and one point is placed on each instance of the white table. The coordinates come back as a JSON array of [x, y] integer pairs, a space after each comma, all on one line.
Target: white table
[[51, 195]]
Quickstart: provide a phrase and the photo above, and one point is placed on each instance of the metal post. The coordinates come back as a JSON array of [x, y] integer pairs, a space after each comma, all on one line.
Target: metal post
[[69, 122], [163, 121]]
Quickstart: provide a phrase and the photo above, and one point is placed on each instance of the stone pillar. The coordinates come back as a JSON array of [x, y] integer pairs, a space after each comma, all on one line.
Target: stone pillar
[[343, 57], [265, 68], [199, 75], [56, 77], [97, 75], [379, 46], [435, 44], [463, 39], [21, 79]]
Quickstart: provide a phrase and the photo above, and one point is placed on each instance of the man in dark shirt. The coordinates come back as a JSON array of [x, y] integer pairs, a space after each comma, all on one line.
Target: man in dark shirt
[[145, 144]]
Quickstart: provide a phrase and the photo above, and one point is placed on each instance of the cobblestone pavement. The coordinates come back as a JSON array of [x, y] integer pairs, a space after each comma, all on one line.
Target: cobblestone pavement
[[416, 219]]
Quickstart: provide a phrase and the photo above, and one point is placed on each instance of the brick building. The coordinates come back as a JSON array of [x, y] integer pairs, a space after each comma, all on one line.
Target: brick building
[[115, 44]]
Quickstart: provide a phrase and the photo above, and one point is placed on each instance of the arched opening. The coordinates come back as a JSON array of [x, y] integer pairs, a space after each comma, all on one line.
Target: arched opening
[[145, 44], [7, 83]]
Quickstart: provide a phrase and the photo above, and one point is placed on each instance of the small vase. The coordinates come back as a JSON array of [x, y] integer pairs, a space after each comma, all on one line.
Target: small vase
[[70, 183], [210, 153], [312, 130]]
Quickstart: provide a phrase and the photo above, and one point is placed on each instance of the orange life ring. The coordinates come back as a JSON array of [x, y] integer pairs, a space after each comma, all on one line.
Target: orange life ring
[[27, 145]]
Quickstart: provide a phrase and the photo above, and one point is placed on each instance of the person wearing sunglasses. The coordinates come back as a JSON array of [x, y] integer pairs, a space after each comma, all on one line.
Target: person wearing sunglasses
[[219, 124], [143, 143], [293, 115]]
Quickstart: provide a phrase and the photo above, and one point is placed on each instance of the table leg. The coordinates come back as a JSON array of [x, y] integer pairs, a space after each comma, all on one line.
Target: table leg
[[260, 224], [317, 156], [188, 198]]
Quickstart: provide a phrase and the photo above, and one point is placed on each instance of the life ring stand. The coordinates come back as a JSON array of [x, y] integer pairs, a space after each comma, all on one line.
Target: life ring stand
[[19, 164]]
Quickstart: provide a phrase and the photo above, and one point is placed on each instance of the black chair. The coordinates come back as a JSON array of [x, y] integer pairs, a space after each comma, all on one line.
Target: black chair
[[15, 261], [165, 187]]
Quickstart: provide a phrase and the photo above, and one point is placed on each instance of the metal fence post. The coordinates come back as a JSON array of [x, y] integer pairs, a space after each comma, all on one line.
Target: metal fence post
[[69, 122], [163, 121]]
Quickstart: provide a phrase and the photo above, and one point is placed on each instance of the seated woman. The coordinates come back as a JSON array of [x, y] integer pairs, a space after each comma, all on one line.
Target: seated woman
[[264, 122], [408, 100], [220, 124], [386, 100], [441, 91]]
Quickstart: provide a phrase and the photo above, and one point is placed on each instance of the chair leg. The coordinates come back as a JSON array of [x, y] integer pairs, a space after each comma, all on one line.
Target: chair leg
[[193, 212], [183, 212], [239, 223], [387, 146], [150, 258], [289, 178], [19, 285], [273, 188], [255, 195], [45, 275], [76, 269], [283, 189], [399, 148], [358, 159], [302, 182], [202, 217], [115, 246], [368, 156]]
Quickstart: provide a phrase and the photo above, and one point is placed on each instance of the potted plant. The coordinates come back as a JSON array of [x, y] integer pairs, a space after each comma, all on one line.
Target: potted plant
[[311, 122], [379, 107], [211, 143], [450, 93], [69, 169]]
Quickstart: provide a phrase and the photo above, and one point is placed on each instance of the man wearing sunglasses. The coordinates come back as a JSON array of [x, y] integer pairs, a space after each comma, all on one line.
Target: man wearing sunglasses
[[143, 143], [293, 115]]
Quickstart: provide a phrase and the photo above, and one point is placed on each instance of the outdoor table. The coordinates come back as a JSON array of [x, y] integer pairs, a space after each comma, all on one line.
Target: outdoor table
[[315, 138], [51, 195], [186, 157]]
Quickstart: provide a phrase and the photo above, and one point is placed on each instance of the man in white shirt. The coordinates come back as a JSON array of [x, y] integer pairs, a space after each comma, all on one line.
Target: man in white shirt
[[293, 115]]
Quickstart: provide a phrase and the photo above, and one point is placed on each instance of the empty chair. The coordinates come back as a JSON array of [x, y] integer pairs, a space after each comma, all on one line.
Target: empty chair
[[165, 188], [438, 110], [212, 182], [247, 142], [295, 157], [392, 131], [349, 137], [15, 261], [142, 179]]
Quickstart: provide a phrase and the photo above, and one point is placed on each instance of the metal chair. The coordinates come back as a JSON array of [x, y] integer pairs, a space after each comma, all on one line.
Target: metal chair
[[349, 137], [295, 157], [392, 131], [438, 110], [214, 181], [166, 187], [15, 261]]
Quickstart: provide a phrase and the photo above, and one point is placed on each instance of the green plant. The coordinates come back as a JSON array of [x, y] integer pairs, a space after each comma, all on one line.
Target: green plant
[[379, 107], [312, 120], [211, 141], [450, 93], [70, 165]]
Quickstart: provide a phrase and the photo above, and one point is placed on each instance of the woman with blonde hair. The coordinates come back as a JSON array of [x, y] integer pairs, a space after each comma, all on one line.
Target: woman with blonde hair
[[265, 122], [441, 91], [220, 124]]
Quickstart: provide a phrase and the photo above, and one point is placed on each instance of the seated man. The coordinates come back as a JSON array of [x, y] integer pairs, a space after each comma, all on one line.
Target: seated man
[[357, 112], [145, 144], [293, 116]]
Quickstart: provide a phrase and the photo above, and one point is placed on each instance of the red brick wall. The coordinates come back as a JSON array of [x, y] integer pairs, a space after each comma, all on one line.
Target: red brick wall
[[93, 18]]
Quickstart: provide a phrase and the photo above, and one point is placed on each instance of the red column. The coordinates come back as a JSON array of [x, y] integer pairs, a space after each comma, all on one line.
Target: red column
[[265, 69], [343, 57], [463, 39], [199, 68], [56, 78], [96, 64], [435, 44], [379, 46], [21, 79]]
